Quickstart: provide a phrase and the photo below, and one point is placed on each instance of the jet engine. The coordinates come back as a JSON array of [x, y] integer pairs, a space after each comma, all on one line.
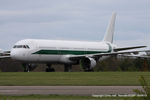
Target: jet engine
[[88, 64]]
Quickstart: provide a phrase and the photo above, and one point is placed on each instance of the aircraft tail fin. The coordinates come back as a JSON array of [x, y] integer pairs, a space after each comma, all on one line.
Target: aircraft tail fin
[[110, 29]]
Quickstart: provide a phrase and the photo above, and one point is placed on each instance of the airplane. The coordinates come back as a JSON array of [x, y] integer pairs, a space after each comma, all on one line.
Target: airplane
[[69, 53]]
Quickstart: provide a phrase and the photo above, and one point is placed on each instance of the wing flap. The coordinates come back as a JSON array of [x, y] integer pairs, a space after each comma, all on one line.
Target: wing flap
[[128, 48]]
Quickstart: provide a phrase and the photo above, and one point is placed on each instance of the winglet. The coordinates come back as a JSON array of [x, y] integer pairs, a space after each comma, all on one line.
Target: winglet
[[110, 29]]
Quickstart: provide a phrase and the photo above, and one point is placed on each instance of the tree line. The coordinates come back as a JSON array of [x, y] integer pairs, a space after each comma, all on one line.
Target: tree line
[[109, 64], [123, 64]]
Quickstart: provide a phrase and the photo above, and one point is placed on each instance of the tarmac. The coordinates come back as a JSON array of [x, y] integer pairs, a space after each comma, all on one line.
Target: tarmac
[[68, 90]]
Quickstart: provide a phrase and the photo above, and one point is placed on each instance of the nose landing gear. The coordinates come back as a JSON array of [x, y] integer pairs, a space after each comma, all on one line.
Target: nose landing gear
[[29, 67]]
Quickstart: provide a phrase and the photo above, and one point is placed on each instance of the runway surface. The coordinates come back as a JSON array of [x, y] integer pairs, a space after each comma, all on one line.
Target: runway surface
[[67, 90]]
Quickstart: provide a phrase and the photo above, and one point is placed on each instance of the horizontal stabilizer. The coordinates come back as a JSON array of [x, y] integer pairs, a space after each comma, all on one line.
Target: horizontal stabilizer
[[128, 48]]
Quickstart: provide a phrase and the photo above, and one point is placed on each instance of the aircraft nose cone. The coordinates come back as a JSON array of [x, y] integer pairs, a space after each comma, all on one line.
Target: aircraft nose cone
[[14, 54], [17, 54]]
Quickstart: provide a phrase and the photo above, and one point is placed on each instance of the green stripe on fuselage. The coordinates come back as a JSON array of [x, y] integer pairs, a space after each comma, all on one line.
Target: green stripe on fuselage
[[65, 52], [73, 52]]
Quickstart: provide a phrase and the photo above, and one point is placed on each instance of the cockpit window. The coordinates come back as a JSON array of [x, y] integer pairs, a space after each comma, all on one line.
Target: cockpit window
[[21, 46], [27, 46]]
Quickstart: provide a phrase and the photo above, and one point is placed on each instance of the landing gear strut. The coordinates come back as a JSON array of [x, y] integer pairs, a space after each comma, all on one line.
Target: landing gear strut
[[49, 68], [27, 67], [67, 68]]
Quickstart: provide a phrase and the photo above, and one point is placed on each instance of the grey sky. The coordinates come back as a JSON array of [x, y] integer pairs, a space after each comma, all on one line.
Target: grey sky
[[74, 20]]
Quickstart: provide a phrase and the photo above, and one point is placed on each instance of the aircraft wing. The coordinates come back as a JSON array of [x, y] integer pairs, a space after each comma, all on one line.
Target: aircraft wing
[[75, 57], [136, 56], [128, 48]]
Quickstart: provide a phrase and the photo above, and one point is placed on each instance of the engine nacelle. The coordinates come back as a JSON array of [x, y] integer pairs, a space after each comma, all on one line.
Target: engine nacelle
[[88, 63]]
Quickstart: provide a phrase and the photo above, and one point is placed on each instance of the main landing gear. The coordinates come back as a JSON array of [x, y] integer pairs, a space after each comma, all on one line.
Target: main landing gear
[[67, 68], [88, 70], [49, 68]]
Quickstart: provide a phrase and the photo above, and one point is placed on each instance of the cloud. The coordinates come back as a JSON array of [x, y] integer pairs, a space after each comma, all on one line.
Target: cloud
[[73, 20]]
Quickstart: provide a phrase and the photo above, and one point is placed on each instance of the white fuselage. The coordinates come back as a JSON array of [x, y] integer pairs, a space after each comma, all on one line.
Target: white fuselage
[[55, 51]]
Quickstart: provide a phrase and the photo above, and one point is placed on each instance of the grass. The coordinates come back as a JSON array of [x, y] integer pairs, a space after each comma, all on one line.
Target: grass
[[56, 97], [72, 78]]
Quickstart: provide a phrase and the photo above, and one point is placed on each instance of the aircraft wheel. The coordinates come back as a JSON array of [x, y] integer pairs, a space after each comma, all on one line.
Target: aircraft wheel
[[47, 70], [67, 68], [50, 70], [89, 70], [26, 67]]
